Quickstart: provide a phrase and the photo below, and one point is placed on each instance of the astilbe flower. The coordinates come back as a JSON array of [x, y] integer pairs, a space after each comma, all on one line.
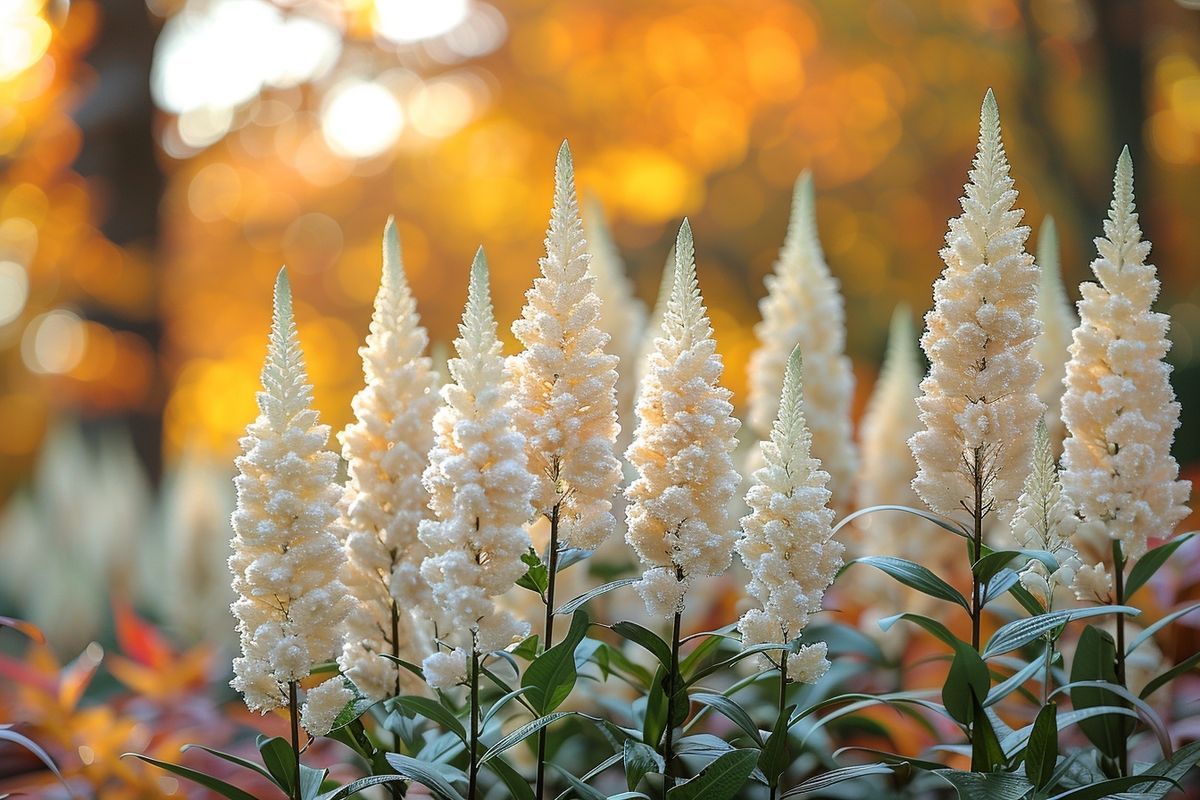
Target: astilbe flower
[[788, 546], [1119, 408], [480, 490], [564, 384], [1058, 319], [678, 514], [1044, 520], [804, 307], [386, 449], [286, 557], [978, 404], [654, 324], [622, 314]]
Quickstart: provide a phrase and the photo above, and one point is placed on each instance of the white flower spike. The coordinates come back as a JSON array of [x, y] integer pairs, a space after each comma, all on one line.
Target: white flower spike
[[565, 383], [286, 558], [1058, 320], [678, 514], [1119, 408], [803, 307], [789, 547], [978, 403], [480, 490], [386, 449]]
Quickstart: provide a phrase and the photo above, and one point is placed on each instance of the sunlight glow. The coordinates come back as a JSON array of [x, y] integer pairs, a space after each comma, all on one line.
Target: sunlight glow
[[361, 119]]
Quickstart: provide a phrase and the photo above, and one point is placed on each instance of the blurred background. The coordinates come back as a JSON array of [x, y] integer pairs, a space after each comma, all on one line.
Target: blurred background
[[158, 162]]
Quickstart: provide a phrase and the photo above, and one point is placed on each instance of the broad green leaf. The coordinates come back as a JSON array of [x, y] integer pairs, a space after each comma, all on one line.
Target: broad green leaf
[[573, 605], [1000, 584], [932, 625], [499, 705], [279, 760], [425, 774], [537, 578], [1110, 788], [1041, 754], [1095, 660], [207, 781], [415, 669], [1150, 563], [581, 788], [231, 758], [774, 759], [712, 642], [721, 666], [986, 753], [720, 780], [655, 723], [1148, 715], [645, 639], [1023, 631], [311, 781], [527, 650], [733, 712], [1018, 739], [552, 675], [521, 734], [1014, 682], [1173, 768], [518, 786], [357, 786], [990, 785], [914, 576], [640, 760], [612, 661], [990, 565], [1188, 664], [841, 775], [967, 681], [433, 711]]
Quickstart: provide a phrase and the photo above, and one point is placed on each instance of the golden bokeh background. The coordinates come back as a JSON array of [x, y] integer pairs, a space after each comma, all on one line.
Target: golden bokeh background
[[286, 133]]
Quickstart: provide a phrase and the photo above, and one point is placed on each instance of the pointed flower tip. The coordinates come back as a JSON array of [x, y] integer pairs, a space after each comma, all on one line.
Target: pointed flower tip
[[479, 266], [795, 365], [283, 294], [990, 109]]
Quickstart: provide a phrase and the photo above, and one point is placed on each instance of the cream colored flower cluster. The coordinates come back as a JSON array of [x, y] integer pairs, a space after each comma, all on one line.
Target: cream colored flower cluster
[[678, 514], [788, 545], [978, 404], [564, 383], [480, 490], [1058, 319], [1044, 520], [1119, 408], [804, 307], [386, 449], [286, 557]]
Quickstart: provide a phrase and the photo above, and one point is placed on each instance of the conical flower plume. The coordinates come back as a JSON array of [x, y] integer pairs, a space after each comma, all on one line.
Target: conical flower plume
[[678, 514], [386, 449], [1058, 320], [622, 314], [565, 383], [804, 307], [1044, 521], [978, 403], [655, 323], [789, 547], [1119, 407], [480, 490], [286, 557]]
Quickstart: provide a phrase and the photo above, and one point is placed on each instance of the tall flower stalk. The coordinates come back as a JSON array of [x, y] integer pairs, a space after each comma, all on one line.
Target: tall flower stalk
[[386, 449], [286, 557], [978, 405], [803, 307], [565, 398], [678, 515], [1058, 319], [788, 545], [480, 490], [1119, 408]]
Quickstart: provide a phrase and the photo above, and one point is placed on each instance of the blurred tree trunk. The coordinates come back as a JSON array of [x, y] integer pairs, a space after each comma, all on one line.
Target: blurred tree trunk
[[119, 158]]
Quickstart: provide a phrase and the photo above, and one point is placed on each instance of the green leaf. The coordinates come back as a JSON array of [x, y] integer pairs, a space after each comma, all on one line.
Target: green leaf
[[712, 642], [499, 705], [1001, 584], [207, 781], [232, 759], [527, 650], [362, 783], [1150, 563], [1041, 754], [518, 786], [1147, 714], [571, 606], [774, 758], [914, 576], [7, 734], [355, 737], [279, 760], [521, 734], [941, 522], [1173, 768], [733, 712], [552, 675], [415, 669], [967, 681], [721, 666], [612, 661], [1150, 630], [433, 711], [990, 565], [640, 760], [932, 625], [571, 556], [655, 722], [1018, 739], [990, 785], [425, 774], [720, 780], [986, 753], [1095, 660], [311, 781], [1023, 631], [537, 578], [1174, 672], [645, 639], [1013, 682], [900, 763], [1110, 788], [581, 788], [352, 711], [841, 775]]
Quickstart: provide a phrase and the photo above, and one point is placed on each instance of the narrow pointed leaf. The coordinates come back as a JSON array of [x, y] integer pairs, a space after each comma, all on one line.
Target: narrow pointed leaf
[[521, 734], [841, 775], [207, 781], [573, 605], [1149, 563], [992, 785], [640, 760], [433, 711], [425, 774], [1023, 631], [932, 625], [914, 576], [552, 675], [1041, 754], [733, 712], [720, 780], [518, 786], [645, 639]]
